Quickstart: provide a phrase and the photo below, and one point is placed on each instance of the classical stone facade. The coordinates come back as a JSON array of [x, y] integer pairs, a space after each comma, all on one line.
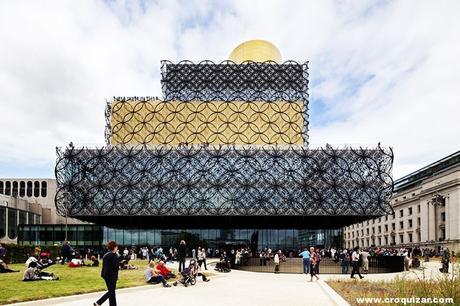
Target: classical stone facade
[[426, 207], [27, 201], [14, 211]]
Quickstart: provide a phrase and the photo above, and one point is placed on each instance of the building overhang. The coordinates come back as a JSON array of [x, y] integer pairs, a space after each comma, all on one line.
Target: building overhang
[[225, 222], [289, 186]]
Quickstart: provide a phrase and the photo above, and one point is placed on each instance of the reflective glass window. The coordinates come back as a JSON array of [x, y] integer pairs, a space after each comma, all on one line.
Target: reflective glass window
[[29, 188], [12, 223], [15, 189], [22, 217], [2, 222], [44, 189], [36, 189], [30, 218], [8, 188], [22, 189]]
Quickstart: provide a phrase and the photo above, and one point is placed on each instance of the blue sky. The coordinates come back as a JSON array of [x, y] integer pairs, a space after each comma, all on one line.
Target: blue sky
[[385, 71]]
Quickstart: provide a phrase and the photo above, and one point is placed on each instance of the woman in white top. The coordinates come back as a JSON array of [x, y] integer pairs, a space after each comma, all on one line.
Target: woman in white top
[[201, 257]]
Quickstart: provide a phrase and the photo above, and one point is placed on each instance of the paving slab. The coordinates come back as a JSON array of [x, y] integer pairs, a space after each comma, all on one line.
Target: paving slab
[[234, 288]]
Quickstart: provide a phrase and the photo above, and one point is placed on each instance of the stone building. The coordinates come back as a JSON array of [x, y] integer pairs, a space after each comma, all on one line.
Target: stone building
[[27, 201], [426, 207]]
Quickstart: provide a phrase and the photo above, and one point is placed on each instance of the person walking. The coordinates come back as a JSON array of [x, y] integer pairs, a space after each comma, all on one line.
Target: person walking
[[193, 253], [182, 253], [110, 274], [200, 257], [365, 255], [344, 262], [203, 258], [406, 260], [277, 262], [66, 252], [426, 255], [355, 263], [313, 262], [318, 260], [305, 260], [445, 260]]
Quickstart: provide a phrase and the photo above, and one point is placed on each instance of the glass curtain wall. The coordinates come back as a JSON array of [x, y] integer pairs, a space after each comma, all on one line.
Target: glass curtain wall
[[256, 239], [2, 222]]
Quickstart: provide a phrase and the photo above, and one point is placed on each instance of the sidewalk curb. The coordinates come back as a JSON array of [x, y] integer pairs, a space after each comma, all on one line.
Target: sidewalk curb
[[60, 299], [333, 295]]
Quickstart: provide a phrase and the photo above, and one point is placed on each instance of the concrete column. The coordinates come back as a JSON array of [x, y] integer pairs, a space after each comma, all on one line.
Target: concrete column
[[431, 222], [454, 214], [6, 223], [424, 221], [447, 211]]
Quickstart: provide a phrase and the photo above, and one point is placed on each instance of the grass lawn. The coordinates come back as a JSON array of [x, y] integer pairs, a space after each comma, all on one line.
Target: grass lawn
[[72, 281], [443, 287]]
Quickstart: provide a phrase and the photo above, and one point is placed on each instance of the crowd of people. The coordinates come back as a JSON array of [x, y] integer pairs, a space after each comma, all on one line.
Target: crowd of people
[[158, 269], [356, 260]]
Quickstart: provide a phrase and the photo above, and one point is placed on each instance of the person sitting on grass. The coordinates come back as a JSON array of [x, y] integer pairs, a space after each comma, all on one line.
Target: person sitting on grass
[[165, 271], [30, 260], [124, 262], [75, 263], [2, 251], [45, 261], [153, 276], [4, 268], [32, 273], [95, 261]]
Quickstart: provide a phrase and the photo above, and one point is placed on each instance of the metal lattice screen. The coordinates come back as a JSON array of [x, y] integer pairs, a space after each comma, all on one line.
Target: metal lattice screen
[[224, 180]]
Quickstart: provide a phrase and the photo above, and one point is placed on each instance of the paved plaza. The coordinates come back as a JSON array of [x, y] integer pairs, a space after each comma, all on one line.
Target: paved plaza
[[240, 288], [234, 288]]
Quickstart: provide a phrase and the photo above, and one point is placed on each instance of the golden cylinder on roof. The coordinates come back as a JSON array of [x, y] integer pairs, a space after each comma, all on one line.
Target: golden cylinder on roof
[[256, 50]]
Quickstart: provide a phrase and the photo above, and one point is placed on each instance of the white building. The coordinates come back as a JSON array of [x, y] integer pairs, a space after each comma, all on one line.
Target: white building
[[27, 201], [426, 207]]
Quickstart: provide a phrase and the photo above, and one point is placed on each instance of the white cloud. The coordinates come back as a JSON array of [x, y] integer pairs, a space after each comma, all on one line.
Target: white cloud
[[385, 71]]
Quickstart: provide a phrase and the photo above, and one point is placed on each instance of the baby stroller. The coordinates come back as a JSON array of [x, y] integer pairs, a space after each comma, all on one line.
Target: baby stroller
[[188, 275]]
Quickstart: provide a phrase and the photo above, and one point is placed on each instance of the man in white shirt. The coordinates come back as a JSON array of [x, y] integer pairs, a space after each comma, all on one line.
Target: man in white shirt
[[364, 256], [407, 260], [277, 261], [355, 263]]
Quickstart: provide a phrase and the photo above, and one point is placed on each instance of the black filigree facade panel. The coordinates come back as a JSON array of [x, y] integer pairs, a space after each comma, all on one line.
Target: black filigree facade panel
[[223, 181], [152, 121], [228, 81]]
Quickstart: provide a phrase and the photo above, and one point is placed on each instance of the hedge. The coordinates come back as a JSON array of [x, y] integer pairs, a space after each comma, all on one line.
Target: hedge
[[19, 253]]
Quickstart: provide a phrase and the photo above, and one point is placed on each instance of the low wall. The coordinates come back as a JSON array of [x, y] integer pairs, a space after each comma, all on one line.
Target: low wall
[[380, 264]]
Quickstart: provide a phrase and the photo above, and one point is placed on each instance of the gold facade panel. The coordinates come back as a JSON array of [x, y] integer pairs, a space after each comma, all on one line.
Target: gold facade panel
[[212, 122]]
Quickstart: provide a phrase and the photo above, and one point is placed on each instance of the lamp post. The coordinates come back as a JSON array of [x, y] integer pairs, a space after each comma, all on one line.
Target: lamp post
[[66, 213], [65, 225]]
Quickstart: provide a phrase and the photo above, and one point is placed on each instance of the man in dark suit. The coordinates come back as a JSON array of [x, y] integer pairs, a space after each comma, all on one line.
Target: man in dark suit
[[110, 274], [182, 252]]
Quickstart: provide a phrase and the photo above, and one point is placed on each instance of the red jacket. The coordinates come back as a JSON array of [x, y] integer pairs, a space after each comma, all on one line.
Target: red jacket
[[163, 270]]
